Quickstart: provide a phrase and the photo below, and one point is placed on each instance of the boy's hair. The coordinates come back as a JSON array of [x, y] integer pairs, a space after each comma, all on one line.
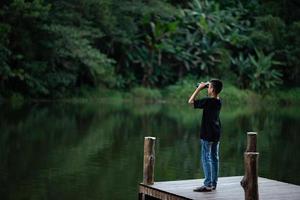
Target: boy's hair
[[217, 85]]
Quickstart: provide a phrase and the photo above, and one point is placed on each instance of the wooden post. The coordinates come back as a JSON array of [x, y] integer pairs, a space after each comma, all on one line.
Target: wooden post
[[249, 181], [149, 160], [251, 142]]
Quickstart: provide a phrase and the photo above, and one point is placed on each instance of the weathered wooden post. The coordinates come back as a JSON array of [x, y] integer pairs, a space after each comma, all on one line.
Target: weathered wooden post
[[251, 142], [149, 160], [249, 181]]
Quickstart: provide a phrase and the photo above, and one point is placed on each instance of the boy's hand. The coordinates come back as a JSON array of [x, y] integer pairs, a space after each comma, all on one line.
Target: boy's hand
[[202, 85]]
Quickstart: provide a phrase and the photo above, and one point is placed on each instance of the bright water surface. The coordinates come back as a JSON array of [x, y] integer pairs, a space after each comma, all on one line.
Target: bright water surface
[[95, 151]]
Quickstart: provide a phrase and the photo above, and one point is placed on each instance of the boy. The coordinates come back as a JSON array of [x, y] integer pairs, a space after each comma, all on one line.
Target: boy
[[210, 132]]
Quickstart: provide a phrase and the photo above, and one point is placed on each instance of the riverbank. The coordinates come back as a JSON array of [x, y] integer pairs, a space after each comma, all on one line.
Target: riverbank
[[177, 93], [230, 95]]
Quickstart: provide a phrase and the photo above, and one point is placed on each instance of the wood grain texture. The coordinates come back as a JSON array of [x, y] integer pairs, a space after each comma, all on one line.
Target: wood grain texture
[[249, 181], [251, 142], [228, 188], [149, 160]]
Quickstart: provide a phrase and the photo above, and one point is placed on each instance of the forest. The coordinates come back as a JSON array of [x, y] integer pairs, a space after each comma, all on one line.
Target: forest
[[56, 48]]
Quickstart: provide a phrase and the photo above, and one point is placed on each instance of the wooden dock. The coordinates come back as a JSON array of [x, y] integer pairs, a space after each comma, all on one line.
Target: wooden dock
[[228, 188], [248, 187]]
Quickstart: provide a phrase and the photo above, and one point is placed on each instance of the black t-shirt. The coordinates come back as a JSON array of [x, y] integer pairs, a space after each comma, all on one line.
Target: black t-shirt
[[211, 124]]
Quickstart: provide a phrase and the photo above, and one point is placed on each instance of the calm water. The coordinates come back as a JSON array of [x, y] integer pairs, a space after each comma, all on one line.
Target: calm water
[[95, 151]]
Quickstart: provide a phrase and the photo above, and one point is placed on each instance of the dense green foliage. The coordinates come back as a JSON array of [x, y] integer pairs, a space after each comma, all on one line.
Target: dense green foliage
[[51, 48]]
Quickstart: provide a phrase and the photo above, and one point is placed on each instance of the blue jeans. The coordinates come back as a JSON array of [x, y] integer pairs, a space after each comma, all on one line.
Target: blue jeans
[[210, 162]]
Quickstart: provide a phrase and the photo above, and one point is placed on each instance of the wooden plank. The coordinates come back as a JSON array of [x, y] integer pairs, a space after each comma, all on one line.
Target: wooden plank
[[228, 188], [160, 194]]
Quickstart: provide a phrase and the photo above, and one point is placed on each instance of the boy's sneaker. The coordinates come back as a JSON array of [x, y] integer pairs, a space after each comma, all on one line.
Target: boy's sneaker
[[214, 187], [203, 189]]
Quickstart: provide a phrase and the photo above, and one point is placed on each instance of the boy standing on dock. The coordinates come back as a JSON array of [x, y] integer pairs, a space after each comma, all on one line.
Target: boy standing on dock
[[210, 131]]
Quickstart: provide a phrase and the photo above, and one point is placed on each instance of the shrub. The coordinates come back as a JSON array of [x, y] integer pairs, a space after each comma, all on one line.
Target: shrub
[[147, 94]]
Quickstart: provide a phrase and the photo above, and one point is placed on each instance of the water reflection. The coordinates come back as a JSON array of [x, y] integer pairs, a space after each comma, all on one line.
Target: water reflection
[[94, 151]]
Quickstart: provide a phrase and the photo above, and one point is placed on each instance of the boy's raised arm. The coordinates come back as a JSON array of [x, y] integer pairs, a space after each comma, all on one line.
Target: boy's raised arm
[[198, 89]]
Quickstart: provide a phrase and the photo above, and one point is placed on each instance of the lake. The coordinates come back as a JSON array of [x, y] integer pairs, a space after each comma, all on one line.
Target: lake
[[83, 151]]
